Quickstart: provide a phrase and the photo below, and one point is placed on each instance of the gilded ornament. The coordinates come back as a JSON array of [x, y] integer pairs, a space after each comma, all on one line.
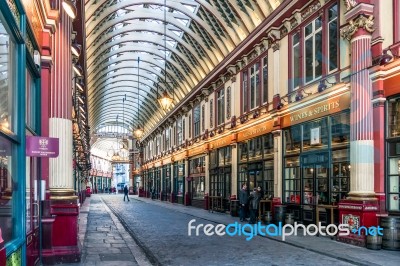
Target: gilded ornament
[[361, 22]]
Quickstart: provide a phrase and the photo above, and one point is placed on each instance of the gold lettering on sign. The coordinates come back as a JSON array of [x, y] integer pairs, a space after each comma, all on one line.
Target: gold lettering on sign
[[255, 131], [317, 110]]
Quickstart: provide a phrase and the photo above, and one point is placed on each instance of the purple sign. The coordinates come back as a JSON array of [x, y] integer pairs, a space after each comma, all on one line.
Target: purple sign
[[41, 147]]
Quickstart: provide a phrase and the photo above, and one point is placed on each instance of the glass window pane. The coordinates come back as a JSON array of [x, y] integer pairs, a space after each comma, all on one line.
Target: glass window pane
[[7, 179], [7, 80], [309, 59], [318, 54], [394, 118], [296, 66], [333, 44]]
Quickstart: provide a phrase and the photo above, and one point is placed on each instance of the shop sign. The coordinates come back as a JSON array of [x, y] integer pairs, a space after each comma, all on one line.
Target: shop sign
[[197, 150], [256, 131], [314, 111], [222, 142], [42, 146], [32, 14]]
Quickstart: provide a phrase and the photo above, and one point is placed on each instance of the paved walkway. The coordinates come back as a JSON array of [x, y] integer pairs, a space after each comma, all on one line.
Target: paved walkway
[[113, 232], [104, 240]]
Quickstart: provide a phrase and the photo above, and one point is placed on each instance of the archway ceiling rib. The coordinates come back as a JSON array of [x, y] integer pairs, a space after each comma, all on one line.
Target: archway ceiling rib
[[199, 35]]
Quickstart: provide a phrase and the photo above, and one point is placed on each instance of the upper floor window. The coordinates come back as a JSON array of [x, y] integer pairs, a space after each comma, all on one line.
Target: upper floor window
[[265, 80], [179, 131], [220, 107], [167, 139], [190, 126], [251, 85], [315, 48], [196, 121], [158, 148], [203, 121]]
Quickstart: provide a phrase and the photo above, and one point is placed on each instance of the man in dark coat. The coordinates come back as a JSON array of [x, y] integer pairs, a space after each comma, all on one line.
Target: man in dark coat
[[243, 200], [254, 199], [126, 190]]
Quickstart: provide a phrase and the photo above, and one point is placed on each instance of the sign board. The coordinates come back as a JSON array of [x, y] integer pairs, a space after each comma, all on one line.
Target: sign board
[[42, 146]]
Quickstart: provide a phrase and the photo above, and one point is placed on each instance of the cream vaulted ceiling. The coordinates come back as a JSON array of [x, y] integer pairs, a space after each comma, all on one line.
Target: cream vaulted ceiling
[[199, 35]]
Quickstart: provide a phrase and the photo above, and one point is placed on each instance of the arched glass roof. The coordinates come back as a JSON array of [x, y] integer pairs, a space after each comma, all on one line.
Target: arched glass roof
[[197, 36]]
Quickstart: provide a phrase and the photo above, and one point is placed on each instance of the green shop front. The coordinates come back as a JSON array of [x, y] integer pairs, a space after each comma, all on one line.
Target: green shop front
[[316, 163]]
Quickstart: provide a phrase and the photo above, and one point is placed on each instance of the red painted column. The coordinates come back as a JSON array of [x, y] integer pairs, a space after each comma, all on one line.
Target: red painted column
[[361, 206], [60, 223]]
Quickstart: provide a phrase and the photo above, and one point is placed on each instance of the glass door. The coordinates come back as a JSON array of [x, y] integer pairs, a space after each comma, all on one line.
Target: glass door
[[32, 210]]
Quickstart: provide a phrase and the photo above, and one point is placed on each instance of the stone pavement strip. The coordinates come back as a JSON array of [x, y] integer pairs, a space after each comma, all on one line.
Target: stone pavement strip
[[103, 238]]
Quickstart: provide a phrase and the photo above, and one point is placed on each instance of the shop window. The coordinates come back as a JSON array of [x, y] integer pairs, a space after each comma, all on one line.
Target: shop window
[[340, 175], [179, 178], [198, 187], [220, 107], [7, 179], [315, 134], [340, 126], [268, 186], [31, 98], [243, 151], [292, 180], [197, 165], [393, 182], [8, 61], [292, 138], [268, 144], [315, 47], [394, 118], [224, 156]]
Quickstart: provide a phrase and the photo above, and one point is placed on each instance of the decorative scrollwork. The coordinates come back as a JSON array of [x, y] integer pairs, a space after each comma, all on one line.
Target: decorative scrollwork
[[364, 22], [350, 4]]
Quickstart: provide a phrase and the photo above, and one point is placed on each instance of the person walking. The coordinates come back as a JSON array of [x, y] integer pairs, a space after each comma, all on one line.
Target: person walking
[[243, 200], [126, 190], [254, 201]]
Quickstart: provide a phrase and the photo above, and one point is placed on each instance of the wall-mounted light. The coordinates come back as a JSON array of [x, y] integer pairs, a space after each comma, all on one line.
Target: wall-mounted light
[[69, 8], [78, 69], [280, 104], [386, 58], [76, 48]]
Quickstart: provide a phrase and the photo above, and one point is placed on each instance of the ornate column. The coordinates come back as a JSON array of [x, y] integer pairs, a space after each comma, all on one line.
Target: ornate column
[[278, 155], [358, 32], [360, 207], [63, 205]]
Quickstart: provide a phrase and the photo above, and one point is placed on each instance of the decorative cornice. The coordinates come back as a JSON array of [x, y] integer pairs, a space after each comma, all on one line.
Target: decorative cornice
[[361, 22]]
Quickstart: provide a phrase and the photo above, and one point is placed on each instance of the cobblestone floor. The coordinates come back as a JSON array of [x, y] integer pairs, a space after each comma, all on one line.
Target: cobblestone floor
[[146, 232]]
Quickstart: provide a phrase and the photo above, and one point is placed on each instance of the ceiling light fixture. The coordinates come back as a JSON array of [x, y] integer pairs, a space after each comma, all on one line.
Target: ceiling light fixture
[[78, 69], [138, 131], [69, 8], [76, 48], [165, 101]]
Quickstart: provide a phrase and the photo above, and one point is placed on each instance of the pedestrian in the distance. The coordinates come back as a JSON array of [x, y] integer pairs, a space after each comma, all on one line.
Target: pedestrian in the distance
[[126, 190], [254, 201], [243, 200]]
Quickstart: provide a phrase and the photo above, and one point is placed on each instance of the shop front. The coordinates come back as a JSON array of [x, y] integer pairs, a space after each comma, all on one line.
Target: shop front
[[196, 181], [316, 163], [166, 182], [393, 155], [256, 159], [221, 176], [179, 182]]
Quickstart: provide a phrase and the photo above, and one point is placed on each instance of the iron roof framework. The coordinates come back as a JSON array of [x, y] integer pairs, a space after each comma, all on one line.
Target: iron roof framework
[[199, 35]]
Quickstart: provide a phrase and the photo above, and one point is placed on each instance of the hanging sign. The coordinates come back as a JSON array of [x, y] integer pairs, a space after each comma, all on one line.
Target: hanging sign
[[42, 146]]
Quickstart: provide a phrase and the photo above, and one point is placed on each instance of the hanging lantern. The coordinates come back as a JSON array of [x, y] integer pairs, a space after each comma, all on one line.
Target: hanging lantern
[[165, 101]]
